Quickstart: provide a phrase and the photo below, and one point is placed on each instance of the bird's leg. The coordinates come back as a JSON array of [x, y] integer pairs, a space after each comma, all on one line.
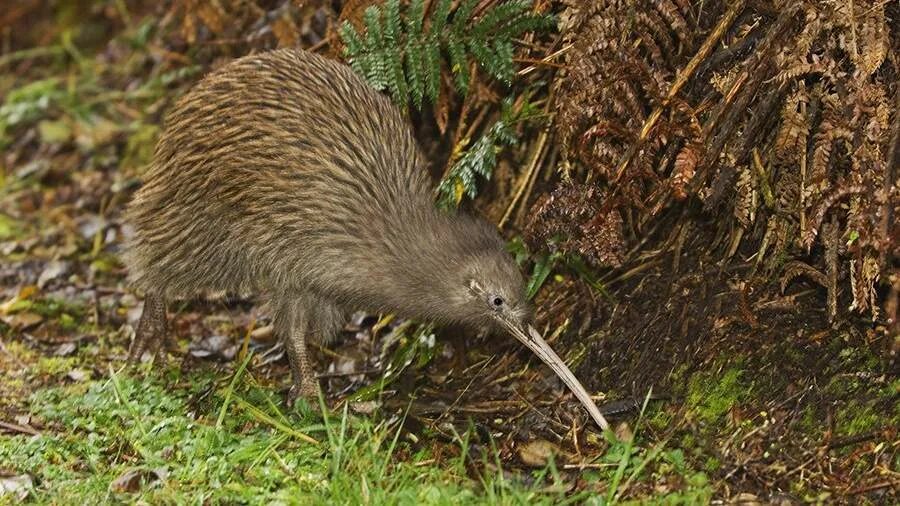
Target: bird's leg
[[151, 330], [295, 315]]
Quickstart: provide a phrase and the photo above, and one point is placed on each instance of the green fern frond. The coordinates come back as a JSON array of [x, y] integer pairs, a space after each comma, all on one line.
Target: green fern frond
[[402, 54], [481, 159], [459, 65], [392, 32], [441, 14], [499, 16], [415, 51], [432, 69]]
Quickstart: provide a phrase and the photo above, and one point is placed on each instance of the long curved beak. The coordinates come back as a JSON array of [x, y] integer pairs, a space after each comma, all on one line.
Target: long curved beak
[[530, 338]]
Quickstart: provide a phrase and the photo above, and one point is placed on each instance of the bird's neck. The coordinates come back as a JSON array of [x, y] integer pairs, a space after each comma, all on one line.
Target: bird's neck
[[408, 264]]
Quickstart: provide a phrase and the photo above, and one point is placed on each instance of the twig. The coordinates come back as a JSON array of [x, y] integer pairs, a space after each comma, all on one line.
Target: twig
[[542, 162], [832, 237], [852, 440], [876, 486], [527, 176], [531, 406], [546, 60], [888, 210], [581, 467], [536, 62], [24, 429], [636, 270], [325, 375], [461, 394]]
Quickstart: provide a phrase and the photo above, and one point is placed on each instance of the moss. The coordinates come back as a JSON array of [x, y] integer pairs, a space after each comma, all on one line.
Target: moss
[[711, 396], [68, 322], [9, 228], [53, 366], [19, 350], [679, 375], [660, 420], [712, 465], [810, 422], [856, 418]]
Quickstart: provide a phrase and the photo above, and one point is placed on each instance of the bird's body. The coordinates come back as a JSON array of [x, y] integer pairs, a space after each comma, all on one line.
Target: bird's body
[[285, 175], [272, 181]]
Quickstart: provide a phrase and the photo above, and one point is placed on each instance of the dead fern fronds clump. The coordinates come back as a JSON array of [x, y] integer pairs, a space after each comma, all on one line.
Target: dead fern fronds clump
[[575, 218], [624, 54], [781, 114], [231, 27]]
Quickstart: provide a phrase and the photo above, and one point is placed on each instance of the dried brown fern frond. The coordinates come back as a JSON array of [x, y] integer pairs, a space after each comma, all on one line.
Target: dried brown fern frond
[[628, 51], [793, 134], [575, 218], [864, 276], [747, 198], [235, 26], [685, 168]]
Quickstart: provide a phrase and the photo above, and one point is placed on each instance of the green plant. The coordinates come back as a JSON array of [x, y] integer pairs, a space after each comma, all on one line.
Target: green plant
[[481, 158], [401, 53]]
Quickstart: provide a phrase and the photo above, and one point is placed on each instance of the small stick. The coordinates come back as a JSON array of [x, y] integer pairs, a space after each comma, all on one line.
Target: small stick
[[14, 427], [526, 177], [872, 488]]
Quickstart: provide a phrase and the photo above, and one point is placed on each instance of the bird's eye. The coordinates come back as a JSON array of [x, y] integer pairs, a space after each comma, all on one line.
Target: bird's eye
[[497, 301]]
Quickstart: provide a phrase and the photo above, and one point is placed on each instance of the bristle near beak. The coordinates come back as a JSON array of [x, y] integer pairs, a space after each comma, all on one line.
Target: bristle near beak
[[533, 340]]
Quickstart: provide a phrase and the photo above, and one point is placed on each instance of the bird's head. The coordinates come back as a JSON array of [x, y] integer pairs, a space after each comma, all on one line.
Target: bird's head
[[489, 290], [465, 275], [492, 291]]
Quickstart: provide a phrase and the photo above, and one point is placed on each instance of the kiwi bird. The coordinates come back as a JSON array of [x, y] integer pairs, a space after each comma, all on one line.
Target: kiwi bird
[[284, 175]]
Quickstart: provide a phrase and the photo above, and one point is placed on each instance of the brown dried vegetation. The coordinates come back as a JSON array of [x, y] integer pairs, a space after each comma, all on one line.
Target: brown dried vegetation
[[578, 218], [777, 116]]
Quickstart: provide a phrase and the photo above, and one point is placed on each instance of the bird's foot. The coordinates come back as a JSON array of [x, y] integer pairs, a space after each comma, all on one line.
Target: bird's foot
[[307, 390], [151, 332]]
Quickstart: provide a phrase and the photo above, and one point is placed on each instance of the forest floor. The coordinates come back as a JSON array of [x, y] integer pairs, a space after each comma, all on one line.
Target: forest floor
[[728, 393], [754, 398]]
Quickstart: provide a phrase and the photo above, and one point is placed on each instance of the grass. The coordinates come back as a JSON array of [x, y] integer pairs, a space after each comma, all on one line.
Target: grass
[[167, 437], [244, 449], [202, 435]]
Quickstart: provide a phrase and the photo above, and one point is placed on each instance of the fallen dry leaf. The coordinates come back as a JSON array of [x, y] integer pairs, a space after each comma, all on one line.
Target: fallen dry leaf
[[24, 293], [129, 481], [364, 407], [216, 347], [132, 479], [65, 349], [262, 334], [52, 271], [623, 432], [23, 321], [538, 453], [79, 374], [16, 486]]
